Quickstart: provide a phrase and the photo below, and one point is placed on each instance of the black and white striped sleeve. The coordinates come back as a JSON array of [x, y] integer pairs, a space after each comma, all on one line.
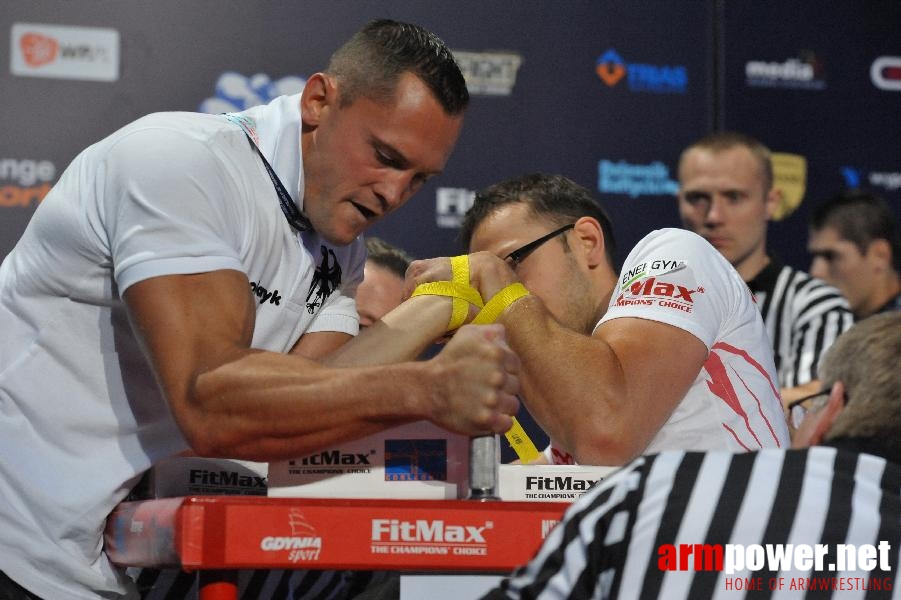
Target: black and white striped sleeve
[[804, 318]]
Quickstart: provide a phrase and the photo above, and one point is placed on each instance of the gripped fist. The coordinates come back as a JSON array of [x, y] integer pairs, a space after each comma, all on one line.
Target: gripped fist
[[476, 382], [487, 273]]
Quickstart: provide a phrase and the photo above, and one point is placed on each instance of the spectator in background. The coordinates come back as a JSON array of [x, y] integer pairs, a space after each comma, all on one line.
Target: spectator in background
[[726, 195], [382, 288], [839, 485], [855, 245]]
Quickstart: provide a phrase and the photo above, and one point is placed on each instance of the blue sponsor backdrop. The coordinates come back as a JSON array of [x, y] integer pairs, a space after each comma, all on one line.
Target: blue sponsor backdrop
[[604, 92]]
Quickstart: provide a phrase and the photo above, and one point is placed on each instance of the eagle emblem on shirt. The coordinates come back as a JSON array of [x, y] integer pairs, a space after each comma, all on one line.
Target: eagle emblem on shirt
[[326, 279]]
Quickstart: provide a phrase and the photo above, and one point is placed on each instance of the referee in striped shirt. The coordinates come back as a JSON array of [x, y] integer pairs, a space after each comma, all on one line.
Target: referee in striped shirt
[[673, 525], [726, 195]]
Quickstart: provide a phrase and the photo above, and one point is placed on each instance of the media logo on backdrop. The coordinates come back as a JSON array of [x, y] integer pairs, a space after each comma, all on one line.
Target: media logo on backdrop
[[451, 205], [235, 92], [489, 73], [24, 182], [804, 72], [641, 77], [635, 179], [885, 73], [64, 52], [856, 178]]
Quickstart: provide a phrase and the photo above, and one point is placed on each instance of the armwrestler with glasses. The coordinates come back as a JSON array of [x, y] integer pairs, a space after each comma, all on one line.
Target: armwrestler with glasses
[[670, 352]]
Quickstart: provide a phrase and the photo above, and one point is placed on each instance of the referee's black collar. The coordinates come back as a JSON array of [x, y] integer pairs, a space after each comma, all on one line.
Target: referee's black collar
[[765, 280], [889, 450]]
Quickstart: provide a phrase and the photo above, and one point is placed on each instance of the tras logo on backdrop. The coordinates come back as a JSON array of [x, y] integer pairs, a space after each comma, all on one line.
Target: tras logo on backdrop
[[641, 77], [64, 52], [235, 92]]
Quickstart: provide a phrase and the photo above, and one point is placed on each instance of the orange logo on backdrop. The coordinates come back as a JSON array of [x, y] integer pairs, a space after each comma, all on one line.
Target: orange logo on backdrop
[[21, 197], [610, 73], [38, 49]]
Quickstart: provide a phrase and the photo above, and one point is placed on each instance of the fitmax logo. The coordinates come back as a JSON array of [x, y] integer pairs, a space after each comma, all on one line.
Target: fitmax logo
[[558, 484], [650, 287], [334, 457], [423, 530], [228, 478]]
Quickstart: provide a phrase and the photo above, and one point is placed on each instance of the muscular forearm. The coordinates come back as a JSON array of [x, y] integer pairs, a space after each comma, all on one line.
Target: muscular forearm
[[264, 405], [268, 405], [573, 387], [402, 334]]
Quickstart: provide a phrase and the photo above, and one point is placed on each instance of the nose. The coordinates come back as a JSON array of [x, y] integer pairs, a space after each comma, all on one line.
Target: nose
[[394, 190], [715, 211]]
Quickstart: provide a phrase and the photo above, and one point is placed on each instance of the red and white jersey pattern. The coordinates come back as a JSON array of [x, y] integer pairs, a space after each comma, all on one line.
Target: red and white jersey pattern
[[676, 277]]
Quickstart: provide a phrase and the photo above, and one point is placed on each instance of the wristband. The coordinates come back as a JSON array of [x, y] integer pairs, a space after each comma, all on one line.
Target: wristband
[[458, 289], [501, 300]]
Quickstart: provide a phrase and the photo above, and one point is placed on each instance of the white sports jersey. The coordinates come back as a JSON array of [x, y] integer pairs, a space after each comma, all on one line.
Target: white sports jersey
[[81, 416], [676, 277]]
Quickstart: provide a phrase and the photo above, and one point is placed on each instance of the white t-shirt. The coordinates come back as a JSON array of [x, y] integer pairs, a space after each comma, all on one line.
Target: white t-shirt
[[676, 277], [81, 416]]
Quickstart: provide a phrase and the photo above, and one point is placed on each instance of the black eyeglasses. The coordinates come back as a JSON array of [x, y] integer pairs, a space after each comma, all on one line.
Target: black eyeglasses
[[799, 409], [520, 254]]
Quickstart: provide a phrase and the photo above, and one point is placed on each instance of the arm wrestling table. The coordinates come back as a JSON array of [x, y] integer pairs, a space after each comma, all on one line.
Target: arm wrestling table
[[216, 535]]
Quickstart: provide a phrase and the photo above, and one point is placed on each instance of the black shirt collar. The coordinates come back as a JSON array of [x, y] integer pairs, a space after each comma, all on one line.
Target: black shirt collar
[[887, 449], [765, 280]]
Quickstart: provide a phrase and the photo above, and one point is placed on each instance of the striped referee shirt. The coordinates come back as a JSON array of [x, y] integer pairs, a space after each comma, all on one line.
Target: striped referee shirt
[[803, 317], [620, 540], [277, 584]]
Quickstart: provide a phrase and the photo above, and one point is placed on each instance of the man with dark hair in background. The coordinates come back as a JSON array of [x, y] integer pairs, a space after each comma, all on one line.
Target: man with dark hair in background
[[188, 285], [726, 196], [855, 245], [382, 288]]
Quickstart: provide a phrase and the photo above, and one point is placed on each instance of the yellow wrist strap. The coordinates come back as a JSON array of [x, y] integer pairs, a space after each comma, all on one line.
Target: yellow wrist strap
[[463, 295], [501, 300], [521, 443], [516, 436], [459, 289]]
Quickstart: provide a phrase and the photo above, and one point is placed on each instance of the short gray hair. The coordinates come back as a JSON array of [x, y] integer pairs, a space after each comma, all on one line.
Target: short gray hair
[[865, 359]]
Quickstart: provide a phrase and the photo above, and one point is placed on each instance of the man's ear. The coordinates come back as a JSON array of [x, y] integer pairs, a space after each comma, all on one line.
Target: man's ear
[[591, 240], [773, 202], [318, 94], [880, 251], [817, 425]]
